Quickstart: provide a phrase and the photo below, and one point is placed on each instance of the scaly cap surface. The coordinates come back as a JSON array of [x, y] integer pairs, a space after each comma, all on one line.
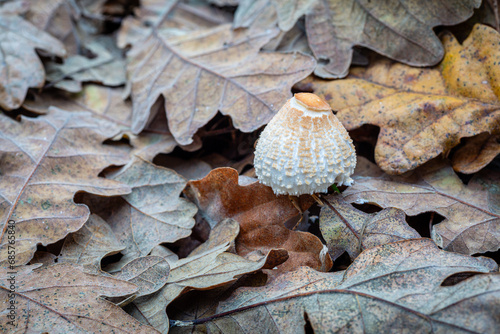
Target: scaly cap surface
[[304, 148]]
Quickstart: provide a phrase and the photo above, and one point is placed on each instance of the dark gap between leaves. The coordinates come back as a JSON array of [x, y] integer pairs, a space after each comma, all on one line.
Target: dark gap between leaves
[[424, 221], [308, 329], [341, 263], [492, 255]]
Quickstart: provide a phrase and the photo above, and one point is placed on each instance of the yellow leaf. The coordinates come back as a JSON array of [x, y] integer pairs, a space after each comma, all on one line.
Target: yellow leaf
[[422, 112]]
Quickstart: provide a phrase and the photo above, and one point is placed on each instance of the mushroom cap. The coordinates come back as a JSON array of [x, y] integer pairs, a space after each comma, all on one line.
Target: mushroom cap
[[304, 149]]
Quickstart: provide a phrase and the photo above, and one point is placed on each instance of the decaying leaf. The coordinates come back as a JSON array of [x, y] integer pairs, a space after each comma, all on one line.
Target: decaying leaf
[[401, 30], [172, 16], [108, 103], [207, 268], [422, 112], [372, 230], [261, 215], [253, 13], [106, 67], [20, 67], [63, 299], [56, 17], [44, 162], [152, 214], [44, 258], [220, 70], [103, 102], [87, 246], [392, 287], [149, 273], [471, 225], [477, 152]]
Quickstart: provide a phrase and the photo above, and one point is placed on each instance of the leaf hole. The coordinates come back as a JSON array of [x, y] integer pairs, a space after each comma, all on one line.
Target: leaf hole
[[423, 222], [367, 208], [110, 259], [457, 278]]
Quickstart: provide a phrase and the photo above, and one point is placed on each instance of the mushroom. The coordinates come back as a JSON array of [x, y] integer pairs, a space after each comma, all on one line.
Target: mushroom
[[304, 149]]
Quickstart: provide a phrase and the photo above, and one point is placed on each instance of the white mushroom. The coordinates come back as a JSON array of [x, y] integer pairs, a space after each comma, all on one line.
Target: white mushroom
[[304, 149]]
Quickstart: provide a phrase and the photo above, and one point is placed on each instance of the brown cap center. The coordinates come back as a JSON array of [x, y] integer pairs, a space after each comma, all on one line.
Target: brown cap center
[[312, 101]]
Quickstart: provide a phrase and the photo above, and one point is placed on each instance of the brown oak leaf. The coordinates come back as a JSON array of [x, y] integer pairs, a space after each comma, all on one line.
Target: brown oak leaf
[[261, 215]]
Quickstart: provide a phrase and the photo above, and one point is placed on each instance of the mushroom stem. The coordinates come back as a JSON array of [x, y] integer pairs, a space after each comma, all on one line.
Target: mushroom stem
[[316, 198], [295, 202]]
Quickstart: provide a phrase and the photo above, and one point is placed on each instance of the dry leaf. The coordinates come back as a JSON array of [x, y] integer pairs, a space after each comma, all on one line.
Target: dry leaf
[[255, 13], [205, 269], [88, 245], [63, 299], [45, 258], [192, 169], [56, 17], [220, 70], [476, 153], [261, 215], [173, 17], [374, 229], [422, 112], [44, 162], [471, 225], [392, 287], [401, 30], [106, 66], [289, 11], [152, 214], [103, 102], [108, 103], [20, 67], [149, 273]]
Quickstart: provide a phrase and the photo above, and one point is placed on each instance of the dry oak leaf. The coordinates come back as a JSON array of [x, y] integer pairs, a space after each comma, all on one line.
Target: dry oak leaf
[[149, 273], [401, 30], [20, 67], [173, 16], [108, 103], [471, 226], [261, 215], [63, 299], [87, 246], [44, 161], [58, 18], [43, 258], [395, 287], [106, 66], [422, 112], [374, 229], [153, 213], [211, 70], [103, 102], [209, 266], [477, 152]]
